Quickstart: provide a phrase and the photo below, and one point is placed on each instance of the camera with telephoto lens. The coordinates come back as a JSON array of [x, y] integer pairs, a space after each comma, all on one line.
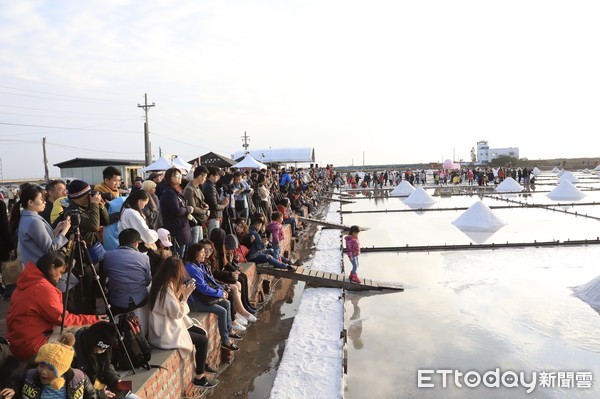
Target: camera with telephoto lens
[[75, 216], [104, 196], [227, 189]]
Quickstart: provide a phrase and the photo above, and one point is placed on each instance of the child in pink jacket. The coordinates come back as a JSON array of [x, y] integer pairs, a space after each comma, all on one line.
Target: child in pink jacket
[[277, 233], [353, 250]]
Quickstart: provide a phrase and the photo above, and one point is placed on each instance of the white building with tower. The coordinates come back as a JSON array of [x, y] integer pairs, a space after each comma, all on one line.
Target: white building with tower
[[486, 154]]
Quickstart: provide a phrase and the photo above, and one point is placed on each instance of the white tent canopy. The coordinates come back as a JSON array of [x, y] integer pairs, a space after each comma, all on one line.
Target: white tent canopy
[[250, 163], [282, 155], [161, 163], [181, 164]]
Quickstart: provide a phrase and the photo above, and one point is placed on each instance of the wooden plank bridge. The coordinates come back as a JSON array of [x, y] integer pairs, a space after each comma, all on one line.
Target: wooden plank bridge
[[326, 279]]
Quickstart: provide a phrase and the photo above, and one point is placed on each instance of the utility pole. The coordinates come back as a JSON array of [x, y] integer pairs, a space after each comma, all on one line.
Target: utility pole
[[46, 174], [147, 149], [246, 145]]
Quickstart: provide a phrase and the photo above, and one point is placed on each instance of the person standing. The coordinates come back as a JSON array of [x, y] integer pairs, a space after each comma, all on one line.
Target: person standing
[[175, 212], [111, 181], [215, 205], [35, 235], [195, 198], [55, 191], [353, 250]]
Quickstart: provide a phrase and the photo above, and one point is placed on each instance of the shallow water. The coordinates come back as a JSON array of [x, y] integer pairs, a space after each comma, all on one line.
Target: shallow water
[[473, 311]]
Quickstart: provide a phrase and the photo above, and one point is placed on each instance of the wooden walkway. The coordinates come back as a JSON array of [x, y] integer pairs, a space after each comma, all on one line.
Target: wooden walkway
[[326, 279]]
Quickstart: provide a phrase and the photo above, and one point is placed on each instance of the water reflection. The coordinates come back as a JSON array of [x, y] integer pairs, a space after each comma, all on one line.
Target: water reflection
[[355, 327]]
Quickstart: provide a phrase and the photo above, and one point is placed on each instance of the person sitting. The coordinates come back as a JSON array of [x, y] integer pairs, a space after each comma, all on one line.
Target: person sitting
[[170, 325], [208, 295], [258, 250], [93, 356], [162, 251], [36, 307], [284, 207], [128, 272], [53, 377]]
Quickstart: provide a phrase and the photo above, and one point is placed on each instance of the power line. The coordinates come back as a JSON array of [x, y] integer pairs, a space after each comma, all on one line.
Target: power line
[[60, 95], [57, 99], [68, 128], [69, 146], [54, 110], [65, 117]]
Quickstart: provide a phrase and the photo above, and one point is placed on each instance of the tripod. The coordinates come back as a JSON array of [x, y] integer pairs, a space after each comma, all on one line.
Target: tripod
[[78, 255]]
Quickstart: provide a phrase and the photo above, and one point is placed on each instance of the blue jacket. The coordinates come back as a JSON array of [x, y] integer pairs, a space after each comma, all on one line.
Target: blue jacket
[[256, 247], [128, 274], [36, 237], [200, 274]]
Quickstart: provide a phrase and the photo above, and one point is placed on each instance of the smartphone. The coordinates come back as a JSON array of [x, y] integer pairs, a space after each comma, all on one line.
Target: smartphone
[[189, 281]]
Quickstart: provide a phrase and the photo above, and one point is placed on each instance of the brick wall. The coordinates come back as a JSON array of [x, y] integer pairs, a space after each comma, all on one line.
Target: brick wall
[[174, 378]]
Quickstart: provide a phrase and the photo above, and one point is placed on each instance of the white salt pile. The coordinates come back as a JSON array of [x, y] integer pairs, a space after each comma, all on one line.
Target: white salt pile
[[565, 191], [479, 217], [597, 168], [478, 222], [586, 170], [568, 176], [509, 185], [420, 198], [404, 189], [555, 170], [590, 293], [536, 171]]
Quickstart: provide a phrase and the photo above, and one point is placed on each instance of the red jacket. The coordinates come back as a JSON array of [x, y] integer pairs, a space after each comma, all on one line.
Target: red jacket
[[35, 309], [352, 246]]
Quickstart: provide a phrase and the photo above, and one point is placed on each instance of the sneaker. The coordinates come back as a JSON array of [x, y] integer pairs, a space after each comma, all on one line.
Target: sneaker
[[290, 268], [241, 320], [231, 346], [208, 369], [252, 318], [238, 327], [235, 336], [204, 383]]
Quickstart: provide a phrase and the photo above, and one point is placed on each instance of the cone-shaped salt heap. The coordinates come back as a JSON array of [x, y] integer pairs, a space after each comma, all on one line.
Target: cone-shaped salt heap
[[565, 191], [586, 170], [536, 171], [555, 170], [419, 198], [597, 168], [509, 185], [404, 189], [479, 217], [590, 293], [568, 176]]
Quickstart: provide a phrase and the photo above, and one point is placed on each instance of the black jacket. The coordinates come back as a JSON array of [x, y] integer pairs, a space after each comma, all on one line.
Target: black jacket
[[100, 369], [209, 189]]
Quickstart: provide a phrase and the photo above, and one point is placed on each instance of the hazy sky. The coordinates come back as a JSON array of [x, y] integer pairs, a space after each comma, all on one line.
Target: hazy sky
[[401, 81]]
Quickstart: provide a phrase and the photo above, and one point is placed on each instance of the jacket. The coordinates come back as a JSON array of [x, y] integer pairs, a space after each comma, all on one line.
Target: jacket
[[205, 282], [132, 219], [209, 189], [174, 215], [352, 246], [36, 237], [255, 247], [101, 369], [195, 198], [92, 218], [6, 242], [169, 322], [77, 383], [277, 233], [35, 309], [128, 272]]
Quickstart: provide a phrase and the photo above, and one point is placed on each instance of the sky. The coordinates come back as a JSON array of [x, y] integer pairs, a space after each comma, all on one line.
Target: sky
[[379, 81]]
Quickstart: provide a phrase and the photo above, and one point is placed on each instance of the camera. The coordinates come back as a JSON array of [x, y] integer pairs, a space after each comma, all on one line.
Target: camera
[[75, 216], [104, 196]]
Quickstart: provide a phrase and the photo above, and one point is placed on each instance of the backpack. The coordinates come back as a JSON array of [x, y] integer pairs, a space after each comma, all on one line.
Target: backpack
[[135, 342]]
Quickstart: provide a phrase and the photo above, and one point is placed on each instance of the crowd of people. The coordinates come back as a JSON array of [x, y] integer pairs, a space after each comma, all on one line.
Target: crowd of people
[[170, 244]]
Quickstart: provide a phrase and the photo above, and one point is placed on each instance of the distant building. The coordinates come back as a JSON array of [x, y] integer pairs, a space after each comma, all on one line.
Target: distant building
[[90, 170], [485, 154]]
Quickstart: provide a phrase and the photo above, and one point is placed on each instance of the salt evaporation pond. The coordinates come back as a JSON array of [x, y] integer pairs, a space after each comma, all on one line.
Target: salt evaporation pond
[[474, 311]]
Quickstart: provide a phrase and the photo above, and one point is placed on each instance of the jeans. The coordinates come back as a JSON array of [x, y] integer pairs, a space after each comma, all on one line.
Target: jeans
[[213, 224], [266, 257], [292, 222], [223, 311], [197, 234], [354, 262], [276, 250]]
